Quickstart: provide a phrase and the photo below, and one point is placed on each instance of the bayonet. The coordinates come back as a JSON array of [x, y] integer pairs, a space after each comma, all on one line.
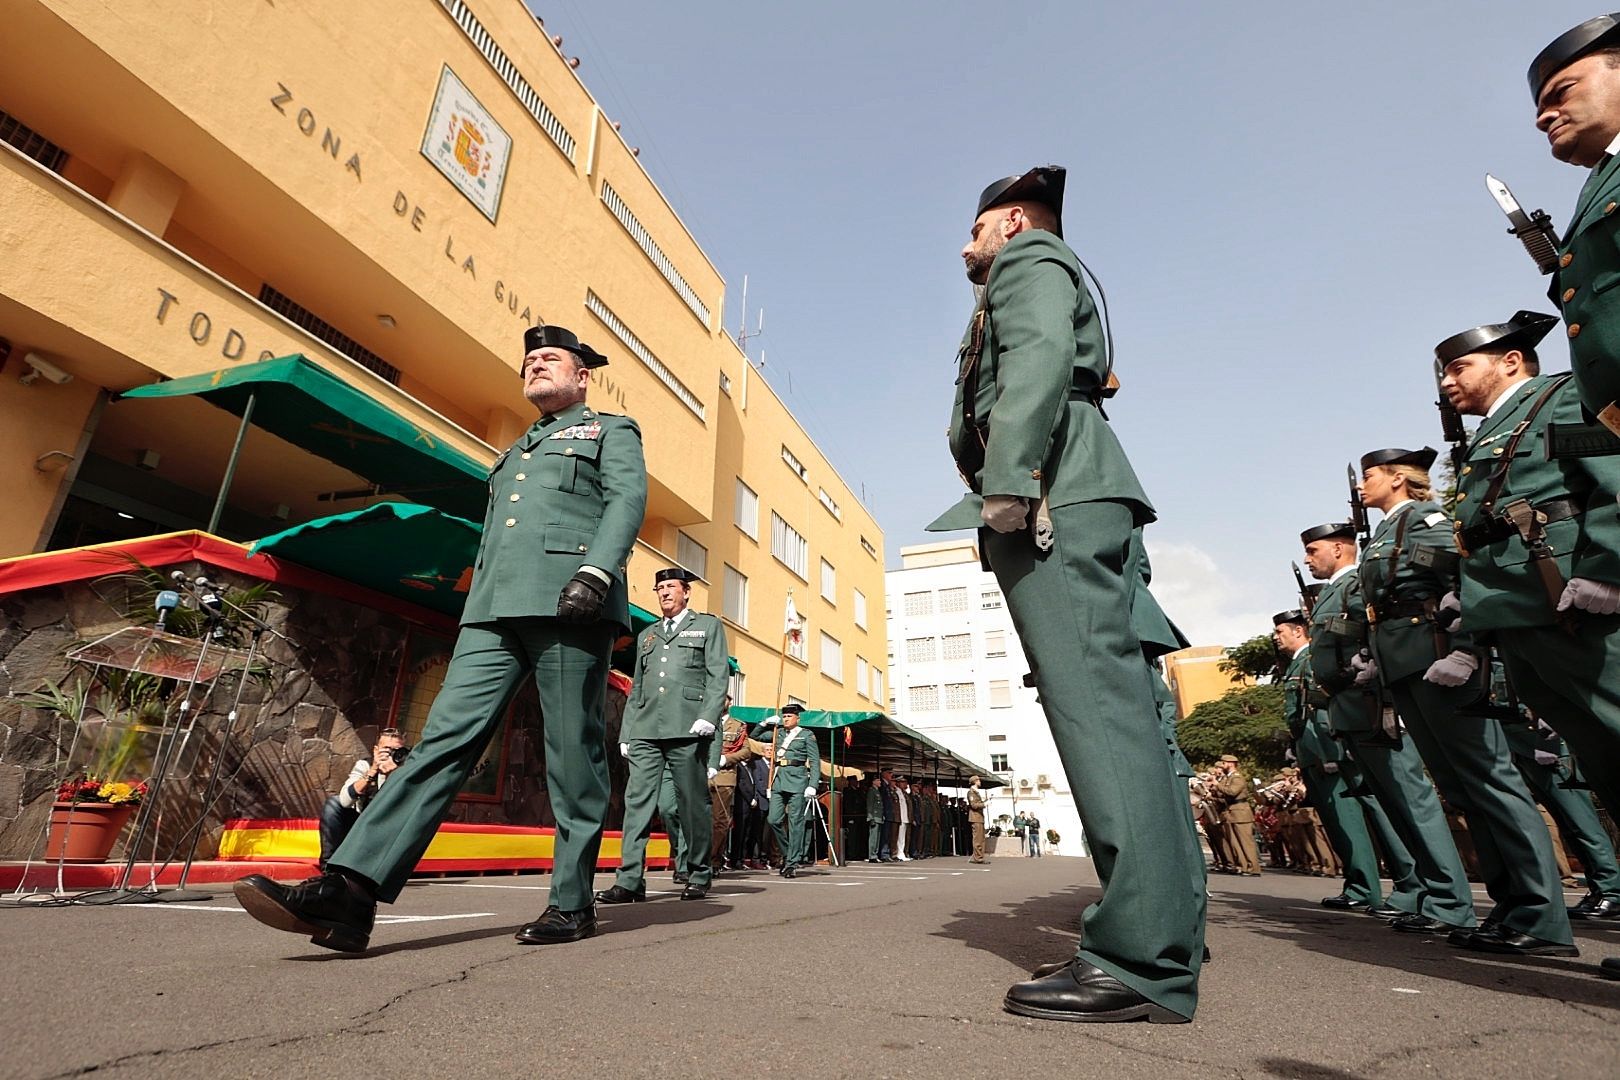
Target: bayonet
[[1535, 231]]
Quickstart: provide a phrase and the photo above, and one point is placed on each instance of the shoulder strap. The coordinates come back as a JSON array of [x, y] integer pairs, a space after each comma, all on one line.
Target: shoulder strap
[[1500, 477]]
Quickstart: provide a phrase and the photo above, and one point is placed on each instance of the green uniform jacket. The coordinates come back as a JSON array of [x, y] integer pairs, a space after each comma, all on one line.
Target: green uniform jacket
[[1039, 373], [874, 805], [1500, 586], [679, 678], [1404, 641], [1153, 627], [798, 765], [1314, 744], [1338, 631], [571, 492], [1583, 287]]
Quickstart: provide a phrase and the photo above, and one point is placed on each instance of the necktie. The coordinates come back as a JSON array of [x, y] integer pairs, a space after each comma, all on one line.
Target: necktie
[[669, 626]]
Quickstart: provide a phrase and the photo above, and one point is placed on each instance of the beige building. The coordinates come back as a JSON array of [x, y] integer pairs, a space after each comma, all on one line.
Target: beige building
[[1195, 676], [394, 189]]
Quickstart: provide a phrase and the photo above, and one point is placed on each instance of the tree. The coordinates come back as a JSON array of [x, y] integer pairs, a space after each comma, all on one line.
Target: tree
[[1254, 659], [1247, 722]]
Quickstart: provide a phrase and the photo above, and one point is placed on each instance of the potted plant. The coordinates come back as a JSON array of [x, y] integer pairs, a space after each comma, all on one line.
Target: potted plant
[[1052, 839], [88, 815]]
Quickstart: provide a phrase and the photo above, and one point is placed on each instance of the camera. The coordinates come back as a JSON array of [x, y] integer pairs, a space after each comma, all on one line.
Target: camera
[[398, 753]]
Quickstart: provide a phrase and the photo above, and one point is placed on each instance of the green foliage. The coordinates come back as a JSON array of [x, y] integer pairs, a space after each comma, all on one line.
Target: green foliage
[[1247, 722], [1254, 659]]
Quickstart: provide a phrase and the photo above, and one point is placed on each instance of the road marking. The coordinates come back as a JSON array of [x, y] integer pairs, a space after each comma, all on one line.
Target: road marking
[[1404, 990], [381, 919], [177, 907]]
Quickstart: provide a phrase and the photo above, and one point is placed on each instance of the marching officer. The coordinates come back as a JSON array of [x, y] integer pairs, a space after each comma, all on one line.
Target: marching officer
[[678, 694], [548, 599], [795, 774], [1407, 569], [1390, 766]]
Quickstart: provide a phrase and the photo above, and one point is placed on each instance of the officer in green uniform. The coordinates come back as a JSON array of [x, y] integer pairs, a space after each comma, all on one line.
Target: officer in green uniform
[[676, 699], [1576, 87], [1055, 501], [795, 774], [548, 598], [1390, 766], [1159, 637], [1434, 676]]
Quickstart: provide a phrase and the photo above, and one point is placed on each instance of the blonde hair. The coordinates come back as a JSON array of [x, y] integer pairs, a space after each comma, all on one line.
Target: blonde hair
[[1418, 485]]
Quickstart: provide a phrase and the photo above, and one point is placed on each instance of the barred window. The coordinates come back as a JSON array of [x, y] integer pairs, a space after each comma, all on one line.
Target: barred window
[[952, 601], [923, 698], [920, 650], [956, 647], [919, 603], [960, 695]]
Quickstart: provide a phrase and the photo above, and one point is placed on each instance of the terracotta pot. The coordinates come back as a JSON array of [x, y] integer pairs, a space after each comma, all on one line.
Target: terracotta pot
[[85, 832]]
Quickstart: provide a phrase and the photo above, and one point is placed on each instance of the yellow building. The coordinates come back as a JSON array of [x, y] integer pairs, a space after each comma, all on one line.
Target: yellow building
[[394, 189], [1195, 676]]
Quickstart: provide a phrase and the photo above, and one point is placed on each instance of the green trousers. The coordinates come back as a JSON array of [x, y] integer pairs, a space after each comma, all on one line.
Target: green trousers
[[683, 763], [1571, 682], [569, 663], [786, 819], [1471, 765], [1577, 822], [1395, 775], [1346, 829], [1071, 607]]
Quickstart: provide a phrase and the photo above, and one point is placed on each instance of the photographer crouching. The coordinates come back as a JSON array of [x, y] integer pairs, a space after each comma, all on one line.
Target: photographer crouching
[[341, 811]]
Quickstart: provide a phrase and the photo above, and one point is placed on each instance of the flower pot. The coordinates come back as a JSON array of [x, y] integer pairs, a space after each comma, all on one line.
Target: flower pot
[[85, 832]]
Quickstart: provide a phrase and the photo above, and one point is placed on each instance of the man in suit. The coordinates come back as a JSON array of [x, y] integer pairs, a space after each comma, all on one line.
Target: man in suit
[[548, 598], [975, 805], [795, 774], [753, 776], [1055, 500], [675, 706]]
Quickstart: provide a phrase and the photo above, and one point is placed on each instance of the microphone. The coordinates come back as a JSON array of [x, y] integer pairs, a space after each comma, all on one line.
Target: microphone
[[166, 601]]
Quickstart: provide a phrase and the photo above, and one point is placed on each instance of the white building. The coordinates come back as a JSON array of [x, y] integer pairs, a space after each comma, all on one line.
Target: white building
[[956, 673]]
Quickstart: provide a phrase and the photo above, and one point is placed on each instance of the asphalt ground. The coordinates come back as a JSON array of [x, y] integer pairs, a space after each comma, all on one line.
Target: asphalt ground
[[868, 971]]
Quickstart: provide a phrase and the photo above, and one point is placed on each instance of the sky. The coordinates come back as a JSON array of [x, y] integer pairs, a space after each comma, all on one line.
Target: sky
[[1285, 204]]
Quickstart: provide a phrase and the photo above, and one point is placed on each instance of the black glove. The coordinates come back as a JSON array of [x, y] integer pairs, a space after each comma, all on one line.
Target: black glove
[[581, 599]]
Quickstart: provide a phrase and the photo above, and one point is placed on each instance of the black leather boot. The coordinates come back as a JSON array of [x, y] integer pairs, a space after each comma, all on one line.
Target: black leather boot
[[336, 912]]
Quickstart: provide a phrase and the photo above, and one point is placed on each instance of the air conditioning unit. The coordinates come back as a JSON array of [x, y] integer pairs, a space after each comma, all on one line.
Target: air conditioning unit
[[1023, 781], [1042, 781]]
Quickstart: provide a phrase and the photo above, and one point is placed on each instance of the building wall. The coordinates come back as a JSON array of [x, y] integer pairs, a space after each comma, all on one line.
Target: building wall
[[1195, 677], [216, 148]]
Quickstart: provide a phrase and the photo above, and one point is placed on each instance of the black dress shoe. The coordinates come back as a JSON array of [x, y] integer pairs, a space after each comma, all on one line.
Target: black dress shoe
[[1058, 965], [1596, 907], [1512, 943], [1081, 992], [790, 871], [1386, 911], [1609, 967], [694, 892], [679, 878], [1344, 903], [335, 911], [1418, 924], [621, 895], [554, 927]]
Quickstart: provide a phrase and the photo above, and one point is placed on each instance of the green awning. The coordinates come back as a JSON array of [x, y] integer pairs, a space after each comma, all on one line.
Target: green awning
[[313, 409], [876, 741]]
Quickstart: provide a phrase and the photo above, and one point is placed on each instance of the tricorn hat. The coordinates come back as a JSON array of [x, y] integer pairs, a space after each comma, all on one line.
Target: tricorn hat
[[1423, 458], [1042, 184], [1292, 615], [1600, 33], [557, 337], [792, 707], [1333, 530], [1524, 331], [673, 573]]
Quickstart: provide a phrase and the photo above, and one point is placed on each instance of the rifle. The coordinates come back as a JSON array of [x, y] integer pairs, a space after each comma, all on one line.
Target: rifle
[[1358, 511], [1451, 425], [1307, 598], [1535, 231]]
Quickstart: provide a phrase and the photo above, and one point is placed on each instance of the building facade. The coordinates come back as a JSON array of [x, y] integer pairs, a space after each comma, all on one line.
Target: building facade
[[394, 189], [957, 675]]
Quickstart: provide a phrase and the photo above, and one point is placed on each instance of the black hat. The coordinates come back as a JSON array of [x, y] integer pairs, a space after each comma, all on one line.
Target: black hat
[[674, 573], [1292, 615], [1524, 331], [792, 707], [1568, 47], [1421, 458], [1333, 530], [1042, 184], [556, 337]]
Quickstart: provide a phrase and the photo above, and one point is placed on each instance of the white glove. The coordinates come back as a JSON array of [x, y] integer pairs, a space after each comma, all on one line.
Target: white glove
[[770, 721], [1005, 513], [1366, 669], [713, 773], [1595, 597], [624, 750], [1453, 669], [810, 792], [1449, 614], [702, 728], [1330, 766]]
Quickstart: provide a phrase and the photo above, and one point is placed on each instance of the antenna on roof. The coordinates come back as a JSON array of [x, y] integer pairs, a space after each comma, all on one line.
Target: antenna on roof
[[743, 336]]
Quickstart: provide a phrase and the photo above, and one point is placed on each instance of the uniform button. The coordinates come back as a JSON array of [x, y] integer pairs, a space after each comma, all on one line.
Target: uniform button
[[1496, 450], [1569, 294], [663, 674], [1568, 257], [511, 522], [568, 452], [1467, 469], [520, 476], [516, 496], [1610, 208], [1034, 474], [663, 659], [1574, 329], [526, 455], [582, 547], [1461, 495], [660, 689]]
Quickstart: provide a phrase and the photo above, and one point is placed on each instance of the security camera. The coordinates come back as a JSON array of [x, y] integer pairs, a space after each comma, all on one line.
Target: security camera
[[41, 366]]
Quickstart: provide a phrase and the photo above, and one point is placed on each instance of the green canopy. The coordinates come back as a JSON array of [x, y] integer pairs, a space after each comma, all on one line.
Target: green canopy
[[308, 406], [875, 741]]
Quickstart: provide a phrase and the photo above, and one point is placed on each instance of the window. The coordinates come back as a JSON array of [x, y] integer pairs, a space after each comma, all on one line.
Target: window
[[923, 698], [793, 463], [998, 738], [691, 554], [919, 603], [1000, 695], [789, 547], [296, 313], [734, 605], [876, 688], [995, 643], [957, 647], [725, 384], [745, 514], [832, 657], [826, 501], [867, 544], [919, 650], [998, 763], [952, 600], [960, 695], [829, 583], [989, 600], [15, 133], [739, 688], [860, 609], [860, 676]]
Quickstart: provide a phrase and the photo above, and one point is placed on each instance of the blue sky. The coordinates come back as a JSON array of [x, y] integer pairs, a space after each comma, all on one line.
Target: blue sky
[[1285, 204]]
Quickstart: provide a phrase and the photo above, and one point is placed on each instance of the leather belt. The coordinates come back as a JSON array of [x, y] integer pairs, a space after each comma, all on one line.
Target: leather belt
[[1400, 609], [1482, 534]]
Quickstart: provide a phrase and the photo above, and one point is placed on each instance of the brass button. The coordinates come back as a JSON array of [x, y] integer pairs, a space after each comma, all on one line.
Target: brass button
[[516, 496], [1568, 257], [1415, 622], [1610, 208], [660, 689], [1467, 469], [1574, 330], [1461, 495], [568, 452], [520, 476], [1034, 474], [511, 522], [1569, 294], [582, 547], [526, 455], [1497, 450]]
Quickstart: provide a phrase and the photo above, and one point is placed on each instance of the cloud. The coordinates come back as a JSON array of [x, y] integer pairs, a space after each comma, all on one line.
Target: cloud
[[1206, 603]]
